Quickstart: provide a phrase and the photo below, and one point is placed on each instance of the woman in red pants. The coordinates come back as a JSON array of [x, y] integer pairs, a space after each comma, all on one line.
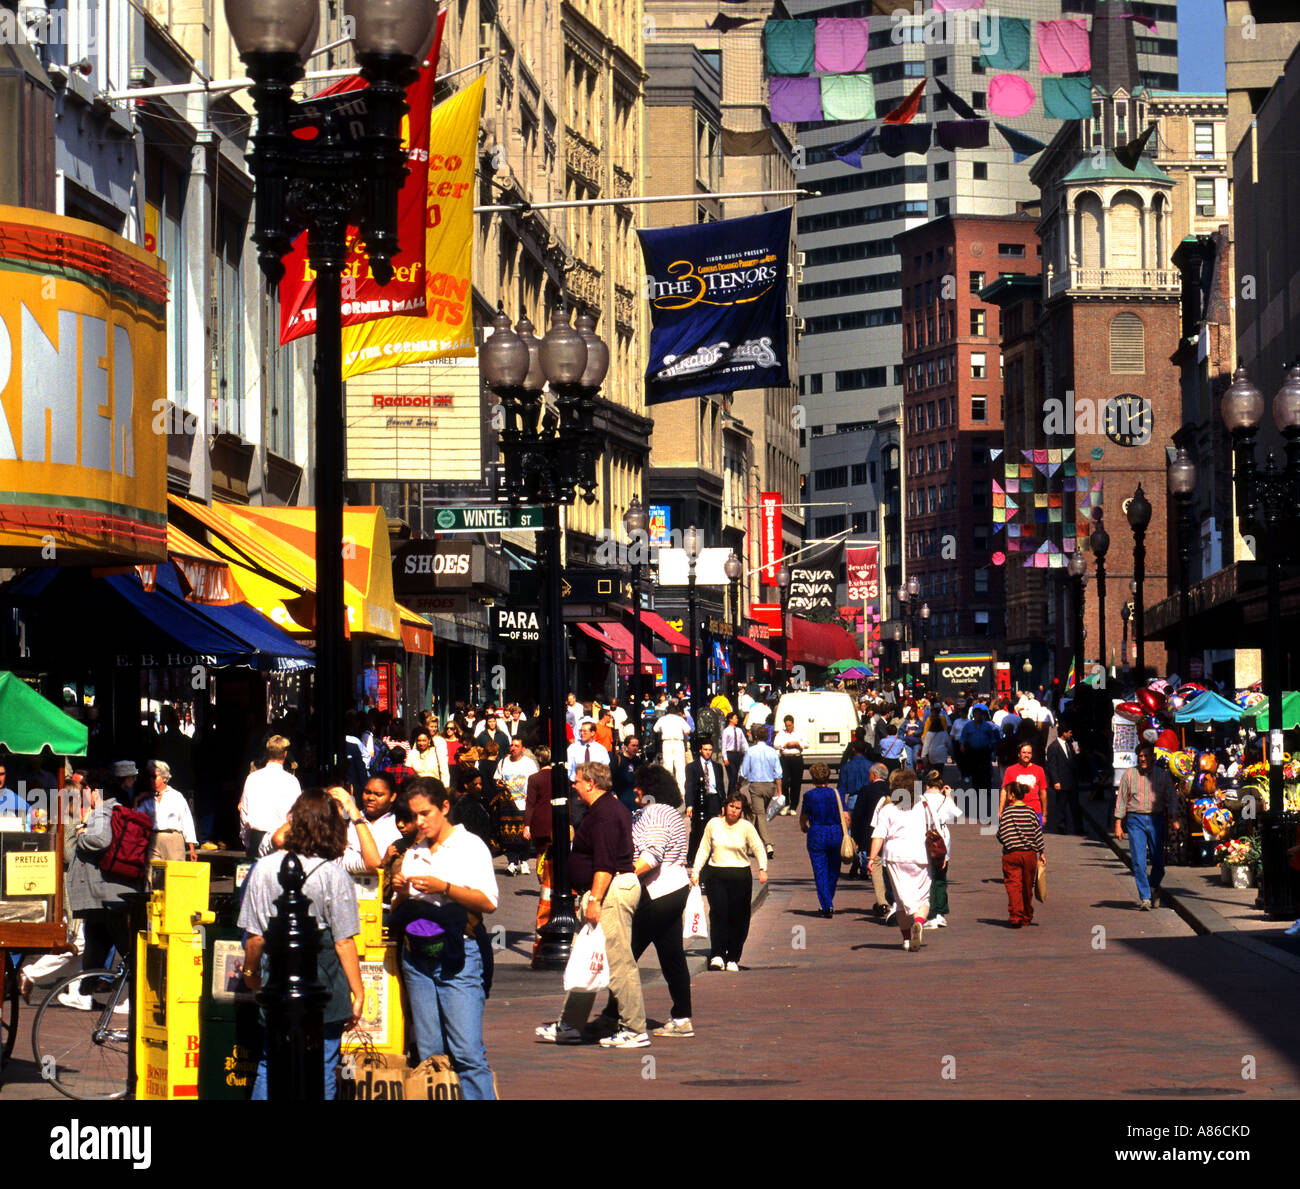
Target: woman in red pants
[[1021, 836]]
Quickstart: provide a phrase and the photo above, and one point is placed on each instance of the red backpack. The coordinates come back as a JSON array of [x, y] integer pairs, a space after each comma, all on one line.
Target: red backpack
[[125, 858]]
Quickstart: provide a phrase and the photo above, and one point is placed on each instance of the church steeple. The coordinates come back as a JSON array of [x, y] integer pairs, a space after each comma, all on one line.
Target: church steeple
[[1114, 48]]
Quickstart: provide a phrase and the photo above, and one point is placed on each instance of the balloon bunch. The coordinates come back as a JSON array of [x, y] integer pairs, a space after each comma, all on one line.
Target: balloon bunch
[[1153, 710]]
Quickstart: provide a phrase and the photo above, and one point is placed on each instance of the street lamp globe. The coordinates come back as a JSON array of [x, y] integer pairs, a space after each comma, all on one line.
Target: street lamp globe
[[783, 576], [902, 593], [1243, 404], [733, 567], [1027, 668], [401, 28], [691, 543], [535, 380], [564, 352], [1286, 404], [505, 356], [273, 26], [1078, 565], [1139, 509], [635, 522], [913, 586], [925, 610], [593, 375], [1182, 473], [1100, 542]]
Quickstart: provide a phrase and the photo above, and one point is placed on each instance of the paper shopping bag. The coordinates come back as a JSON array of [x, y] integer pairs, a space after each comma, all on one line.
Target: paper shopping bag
[[695, 920], [366, 1075]]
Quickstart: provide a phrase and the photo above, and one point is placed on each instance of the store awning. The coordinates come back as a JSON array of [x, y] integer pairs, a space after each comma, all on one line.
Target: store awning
[[1210, 707], [417, 632], [1290, 712], [278, 577], [206, 576], [659, 625], [820, 643], [761, 648], [617, 641], [29, 722]]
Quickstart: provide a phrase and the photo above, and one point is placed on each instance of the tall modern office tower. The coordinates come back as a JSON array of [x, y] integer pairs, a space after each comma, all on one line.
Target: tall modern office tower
[[850, 300]]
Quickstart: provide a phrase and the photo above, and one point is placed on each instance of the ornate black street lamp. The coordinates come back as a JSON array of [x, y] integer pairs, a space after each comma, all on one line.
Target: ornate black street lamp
[[1125, 614], [925, 629], [1268, 507], [1139, 517], [1182, 486], [734, 569], [1100, 542], [637, 526], [691, 543], [323, 186], [783, 585], [1077, 568], [550, 453]]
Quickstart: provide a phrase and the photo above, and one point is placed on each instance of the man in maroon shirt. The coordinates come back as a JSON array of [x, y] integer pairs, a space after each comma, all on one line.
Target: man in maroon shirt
[[1032, 777], [601, 866]]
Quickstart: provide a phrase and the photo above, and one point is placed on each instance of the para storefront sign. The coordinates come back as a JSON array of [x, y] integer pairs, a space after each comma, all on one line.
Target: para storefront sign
[[83, 414], [517, 625]]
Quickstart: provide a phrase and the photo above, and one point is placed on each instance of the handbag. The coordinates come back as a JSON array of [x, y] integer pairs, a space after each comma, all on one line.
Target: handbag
[[1040, 881], [588, 966], [848, 848], [695, 922], [935, 847]]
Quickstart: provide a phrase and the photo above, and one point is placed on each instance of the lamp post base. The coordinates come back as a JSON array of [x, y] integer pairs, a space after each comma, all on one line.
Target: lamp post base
[[555, 938]]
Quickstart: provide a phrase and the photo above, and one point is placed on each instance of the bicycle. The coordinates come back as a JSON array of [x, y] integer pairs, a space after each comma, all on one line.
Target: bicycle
[[85, 1055]]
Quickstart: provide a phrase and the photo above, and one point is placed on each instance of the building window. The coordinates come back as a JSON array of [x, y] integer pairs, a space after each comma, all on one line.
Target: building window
[[1016, 251], [977, 100], [1127, 345], [829, 478], [943, 412], [981, 622], [978, 365], [1203, 140], [982, 581], [941, 171], [977, 318], [979, 408], [929, 415], [941, 65], [977, 66], [976, 282], [1096, 124], [980, 171], [943, 455], [929, 374], [1121, 123], [932, 500], [942, 206], [858, 476], [1206, 207], [231, 236]]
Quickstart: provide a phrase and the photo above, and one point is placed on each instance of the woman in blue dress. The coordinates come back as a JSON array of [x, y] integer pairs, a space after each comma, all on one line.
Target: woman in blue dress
[[822, 818]]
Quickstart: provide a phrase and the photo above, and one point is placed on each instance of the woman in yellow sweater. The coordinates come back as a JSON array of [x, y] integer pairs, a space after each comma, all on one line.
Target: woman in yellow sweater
[[722, 860]]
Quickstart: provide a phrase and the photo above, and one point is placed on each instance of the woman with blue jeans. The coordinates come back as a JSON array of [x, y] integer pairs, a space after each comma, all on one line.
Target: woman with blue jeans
[[317, 833], [445, 886]]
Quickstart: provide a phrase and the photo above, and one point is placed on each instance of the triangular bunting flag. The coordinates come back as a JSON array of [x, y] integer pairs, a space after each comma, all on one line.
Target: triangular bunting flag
[[906, 111], [1128, 155], [724, 24], [963, 109], [850, 152], [1021, 145]]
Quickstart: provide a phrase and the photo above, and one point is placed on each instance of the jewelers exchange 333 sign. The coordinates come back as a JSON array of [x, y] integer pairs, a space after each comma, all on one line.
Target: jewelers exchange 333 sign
[[717, 306]]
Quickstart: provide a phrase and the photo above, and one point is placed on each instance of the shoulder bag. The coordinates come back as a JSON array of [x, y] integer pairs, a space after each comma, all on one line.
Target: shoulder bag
[[848, 848], [935, 847]]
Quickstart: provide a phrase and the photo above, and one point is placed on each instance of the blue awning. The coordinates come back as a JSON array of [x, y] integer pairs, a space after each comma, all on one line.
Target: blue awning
[[1209, 707]]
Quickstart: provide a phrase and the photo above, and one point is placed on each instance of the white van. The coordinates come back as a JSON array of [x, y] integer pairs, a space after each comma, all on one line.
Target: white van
[[826, 718]]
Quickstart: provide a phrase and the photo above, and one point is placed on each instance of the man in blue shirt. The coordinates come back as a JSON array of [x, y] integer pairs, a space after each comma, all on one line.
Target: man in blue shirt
[[760, 772], [11, 802], [978, 741]]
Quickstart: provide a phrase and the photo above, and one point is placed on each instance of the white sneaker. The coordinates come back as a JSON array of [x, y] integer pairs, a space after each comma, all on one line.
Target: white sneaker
[[70, 998], [510, 867], [937, 922], [733, 967], [907, 945], [716, 963], [625, 1038], [523, 868], [123, 1008], [558, 1033], [680, 1027]]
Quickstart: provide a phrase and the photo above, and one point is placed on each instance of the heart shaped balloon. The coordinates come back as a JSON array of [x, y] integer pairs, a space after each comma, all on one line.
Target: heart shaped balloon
[[1152, 701], [1168, 739], [1130, 711], [1150, 735]]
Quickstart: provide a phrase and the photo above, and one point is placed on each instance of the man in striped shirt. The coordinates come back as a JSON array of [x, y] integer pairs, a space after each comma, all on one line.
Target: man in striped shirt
[[1022, 845]]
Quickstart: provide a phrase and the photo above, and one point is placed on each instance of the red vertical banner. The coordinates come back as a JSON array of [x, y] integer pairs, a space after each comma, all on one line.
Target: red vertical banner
[[769, 536], [863, 572]]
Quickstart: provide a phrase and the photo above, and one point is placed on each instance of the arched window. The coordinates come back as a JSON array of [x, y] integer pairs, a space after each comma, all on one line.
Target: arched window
[[1127, 345], [1125, 239], [1088, 231]]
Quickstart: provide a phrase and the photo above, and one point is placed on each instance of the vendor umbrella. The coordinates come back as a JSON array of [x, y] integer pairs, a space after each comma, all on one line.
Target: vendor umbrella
[[855, 673], [1290, 712], [29, 722], [1209, 707], [837, 668]]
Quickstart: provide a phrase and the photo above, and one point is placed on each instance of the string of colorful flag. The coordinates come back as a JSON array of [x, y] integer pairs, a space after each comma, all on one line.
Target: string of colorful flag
[[1031, 503]]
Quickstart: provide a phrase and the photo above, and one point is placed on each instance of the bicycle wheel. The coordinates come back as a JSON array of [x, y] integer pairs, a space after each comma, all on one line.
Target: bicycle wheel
[[83, 1054], [8, 1011]]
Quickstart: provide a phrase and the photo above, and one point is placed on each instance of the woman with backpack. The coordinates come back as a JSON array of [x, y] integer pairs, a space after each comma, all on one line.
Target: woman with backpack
[[108, 859]]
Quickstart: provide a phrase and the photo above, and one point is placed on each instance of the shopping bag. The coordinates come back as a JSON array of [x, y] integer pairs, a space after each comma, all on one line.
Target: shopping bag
[[367, 1075], [434, 1080], [695, 920], [775, 805], [588, 968], [1040, 884]]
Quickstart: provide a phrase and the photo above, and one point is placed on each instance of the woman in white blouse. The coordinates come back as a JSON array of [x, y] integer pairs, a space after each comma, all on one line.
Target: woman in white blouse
[[428, 756], [722, 859]]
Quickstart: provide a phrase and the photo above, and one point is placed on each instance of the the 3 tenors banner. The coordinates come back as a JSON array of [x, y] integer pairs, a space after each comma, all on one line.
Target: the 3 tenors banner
[[717, 306]]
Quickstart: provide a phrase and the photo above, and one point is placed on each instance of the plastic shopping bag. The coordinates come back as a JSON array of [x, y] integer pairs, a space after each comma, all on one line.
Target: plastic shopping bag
[[775, 805], [695, 921], [588, 968]]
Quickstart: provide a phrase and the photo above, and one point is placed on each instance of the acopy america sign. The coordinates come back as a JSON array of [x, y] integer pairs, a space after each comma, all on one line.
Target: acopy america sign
[[717, 306]]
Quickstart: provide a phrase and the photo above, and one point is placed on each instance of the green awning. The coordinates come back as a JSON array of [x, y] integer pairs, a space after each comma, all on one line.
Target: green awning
[[29, 722], [1290, 712]]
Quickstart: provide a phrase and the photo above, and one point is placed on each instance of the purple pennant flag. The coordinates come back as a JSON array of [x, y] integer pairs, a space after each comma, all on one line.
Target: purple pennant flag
[[795, 100], [897, 139]]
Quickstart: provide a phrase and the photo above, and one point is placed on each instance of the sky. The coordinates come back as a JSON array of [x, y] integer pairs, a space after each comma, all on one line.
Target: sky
[[1200, 45]]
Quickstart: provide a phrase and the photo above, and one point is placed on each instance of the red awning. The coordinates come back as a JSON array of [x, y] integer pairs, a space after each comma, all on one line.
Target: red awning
[[660, 626], [761, 648], [617, 641], [820, 643]]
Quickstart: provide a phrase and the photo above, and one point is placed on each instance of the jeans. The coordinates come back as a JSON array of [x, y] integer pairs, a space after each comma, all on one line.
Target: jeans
[[1146, 840], [333, 1042], [447, 1017]]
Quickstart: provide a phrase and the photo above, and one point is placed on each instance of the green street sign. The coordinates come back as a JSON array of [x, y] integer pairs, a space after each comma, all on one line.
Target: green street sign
[[486, 518]]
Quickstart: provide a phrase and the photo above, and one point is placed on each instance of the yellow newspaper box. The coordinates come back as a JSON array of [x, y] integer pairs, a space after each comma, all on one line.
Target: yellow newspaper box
[[169, 982], [382, 1023]]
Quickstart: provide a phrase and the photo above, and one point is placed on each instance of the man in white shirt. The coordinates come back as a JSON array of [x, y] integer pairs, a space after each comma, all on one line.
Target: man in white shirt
[[573, 714], [269, 793], [621, 730], [585, 750], [173, 823], [672, 730], [757, 714], [790, 744], [513, 772]]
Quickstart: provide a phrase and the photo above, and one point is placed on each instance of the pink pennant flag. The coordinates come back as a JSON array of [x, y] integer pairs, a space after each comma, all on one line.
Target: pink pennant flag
[[1063, 46], [957, 5], [841, 45], [1010, 95]]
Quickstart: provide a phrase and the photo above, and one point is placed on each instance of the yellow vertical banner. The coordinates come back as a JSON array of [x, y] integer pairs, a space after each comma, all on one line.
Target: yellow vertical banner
[[448, 329]]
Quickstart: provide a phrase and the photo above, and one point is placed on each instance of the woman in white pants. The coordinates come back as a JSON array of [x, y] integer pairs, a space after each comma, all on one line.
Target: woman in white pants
[[899, 832]]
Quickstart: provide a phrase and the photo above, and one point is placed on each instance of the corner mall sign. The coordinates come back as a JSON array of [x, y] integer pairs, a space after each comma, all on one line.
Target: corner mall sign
[[82, 361]]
